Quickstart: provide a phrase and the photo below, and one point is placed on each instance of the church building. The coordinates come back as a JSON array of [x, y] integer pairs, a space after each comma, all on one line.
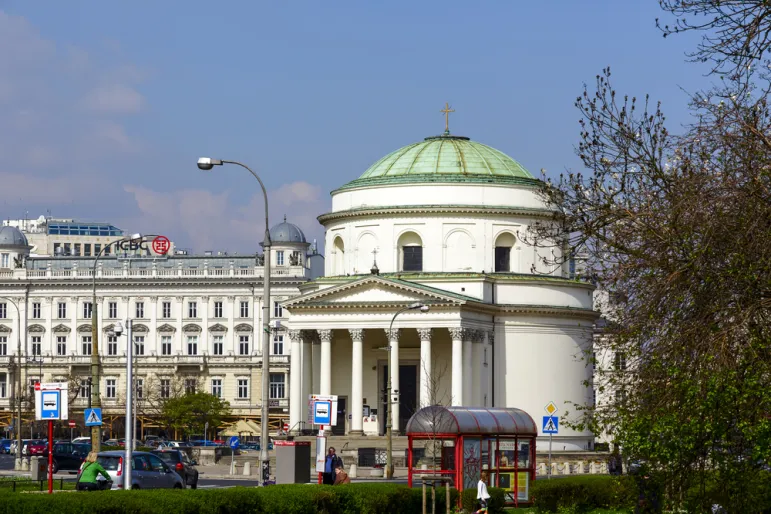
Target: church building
[[437, 226]]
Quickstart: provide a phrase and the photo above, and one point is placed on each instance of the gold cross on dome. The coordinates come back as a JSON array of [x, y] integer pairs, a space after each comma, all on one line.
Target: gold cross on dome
[[447, 112]]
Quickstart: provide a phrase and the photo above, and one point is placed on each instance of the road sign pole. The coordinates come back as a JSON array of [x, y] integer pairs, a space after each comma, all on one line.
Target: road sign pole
[[50, 456], [548, 471]]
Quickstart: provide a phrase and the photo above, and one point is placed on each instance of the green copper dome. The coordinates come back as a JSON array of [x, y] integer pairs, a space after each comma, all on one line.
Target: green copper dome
[[444, 158]]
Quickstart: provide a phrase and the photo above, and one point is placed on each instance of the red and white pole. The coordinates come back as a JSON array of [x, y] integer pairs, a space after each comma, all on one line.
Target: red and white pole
[[50, 456]]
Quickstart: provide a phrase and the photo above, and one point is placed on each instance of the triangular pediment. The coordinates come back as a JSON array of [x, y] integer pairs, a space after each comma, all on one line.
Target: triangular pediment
[[166, 328], [376, 290], [61, 329], [218, 328]]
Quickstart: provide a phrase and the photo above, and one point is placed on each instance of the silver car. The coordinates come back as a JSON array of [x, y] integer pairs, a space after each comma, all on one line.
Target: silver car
[[147, 471]]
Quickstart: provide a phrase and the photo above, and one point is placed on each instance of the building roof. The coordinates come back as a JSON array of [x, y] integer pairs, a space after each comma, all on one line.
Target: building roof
[[12, 236], [286, 232], [438, 419], [444, 158]]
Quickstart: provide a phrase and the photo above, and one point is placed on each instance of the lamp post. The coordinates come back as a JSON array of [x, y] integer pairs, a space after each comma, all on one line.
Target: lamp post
[[17, 461], [389, 472], [96, 401], [206, 164]]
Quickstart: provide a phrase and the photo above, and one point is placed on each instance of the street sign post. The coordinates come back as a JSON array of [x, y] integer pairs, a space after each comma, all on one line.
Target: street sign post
[[234, 443], [51, 405], [93, 417], [550, 426]]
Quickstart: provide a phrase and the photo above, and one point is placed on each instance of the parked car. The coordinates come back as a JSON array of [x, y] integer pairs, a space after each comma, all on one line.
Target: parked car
[[5, 445], [81, 440], [69, 456], [174, 444], [183, 465], [35, 447], [203, 442], [148, 471], [270, 444], [13, 448], [249, 447]]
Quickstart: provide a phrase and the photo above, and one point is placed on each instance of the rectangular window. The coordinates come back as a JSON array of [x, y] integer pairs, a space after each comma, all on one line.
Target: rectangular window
[[280, 258], [3, 345], [192, 310], [97, 248], [278, 311], [86, 345], [112, 345], [165, 345], [67, 249], [166, 310], [412, 258], [5, 260], [192, 345], [216, 387], [278, 345], [112, 309], [277, 385], [243, 345], [217, 345], [243, 388], [57, 248], [140, 309], [3, 310], [620, 361], [191, 384], [77, 249], [85, 388], [139, 345], [87, 312], [36, 346], [139, 387], [165, 388], [109, 391], [61, 345], [87, 249], [244, 309], [62, 310], [3, 386], [36, 310], [217, 309], [502, 258]]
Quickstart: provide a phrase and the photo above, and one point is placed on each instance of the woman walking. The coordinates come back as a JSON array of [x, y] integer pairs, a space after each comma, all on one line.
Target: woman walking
[[482, 494]]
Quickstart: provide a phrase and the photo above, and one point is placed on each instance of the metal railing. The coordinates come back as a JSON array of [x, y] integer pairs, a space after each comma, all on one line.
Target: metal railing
[[85, 273]]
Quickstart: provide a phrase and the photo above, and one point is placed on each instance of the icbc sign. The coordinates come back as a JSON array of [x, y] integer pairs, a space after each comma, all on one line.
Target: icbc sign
[[161, 245]]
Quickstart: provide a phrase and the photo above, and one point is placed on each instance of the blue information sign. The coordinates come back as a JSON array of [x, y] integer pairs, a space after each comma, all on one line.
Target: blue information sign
[[551, 425], [234, 442], [322, 412], [50, 409], [93, 417]]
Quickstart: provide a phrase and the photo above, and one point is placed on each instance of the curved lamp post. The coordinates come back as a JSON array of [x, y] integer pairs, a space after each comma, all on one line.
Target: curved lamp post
[[17, 459], [206, 164], [389, 472]]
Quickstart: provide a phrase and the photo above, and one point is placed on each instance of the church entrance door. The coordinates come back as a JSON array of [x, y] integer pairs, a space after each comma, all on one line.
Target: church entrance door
[[408, 395]]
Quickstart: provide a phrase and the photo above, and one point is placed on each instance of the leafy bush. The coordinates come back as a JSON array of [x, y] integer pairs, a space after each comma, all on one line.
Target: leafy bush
[[292, 499], [583, 494], [495, 504]]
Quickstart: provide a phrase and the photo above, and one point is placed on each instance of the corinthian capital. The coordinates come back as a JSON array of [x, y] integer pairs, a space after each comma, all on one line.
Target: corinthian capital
[[325, 336], [456, 333], [425, 334], [356, 334]]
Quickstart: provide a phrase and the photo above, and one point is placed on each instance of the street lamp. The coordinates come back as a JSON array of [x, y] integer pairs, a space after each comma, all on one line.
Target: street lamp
[[389, 430], [206, 164], [17, 461]]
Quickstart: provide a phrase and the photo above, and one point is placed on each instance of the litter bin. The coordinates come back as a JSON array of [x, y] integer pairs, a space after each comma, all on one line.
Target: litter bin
[[39, 468], [293, 462]]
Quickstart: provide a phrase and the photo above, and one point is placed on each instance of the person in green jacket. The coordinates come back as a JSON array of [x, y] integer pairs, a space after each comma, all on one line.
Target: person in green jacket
[[89, 472]]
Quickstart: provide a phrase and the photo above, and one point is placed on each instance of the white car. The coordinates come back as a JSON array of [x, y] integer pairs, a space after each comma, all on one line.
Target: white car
[[81, 440]]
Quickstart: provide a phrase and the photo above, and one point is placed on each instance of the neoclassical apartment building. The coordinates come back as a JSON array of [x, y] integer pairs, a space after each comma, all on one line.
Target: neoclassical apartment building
[[197, 323]]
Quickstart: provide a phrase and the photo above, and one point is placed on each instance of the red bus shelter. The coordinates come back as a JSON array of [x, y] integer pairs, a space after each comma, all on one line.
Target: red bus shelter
[[461, 442]]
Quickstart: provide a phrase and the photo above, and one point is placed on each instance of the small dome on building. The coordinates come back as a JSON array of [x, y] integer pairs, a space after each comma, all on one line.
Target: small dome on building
[[12, 236], [286, 232]]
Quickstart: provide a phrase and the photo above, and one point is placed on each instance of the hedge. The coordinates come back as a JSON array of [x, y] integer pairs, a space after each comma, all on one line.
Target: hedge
[[294, 499], [584, 494]]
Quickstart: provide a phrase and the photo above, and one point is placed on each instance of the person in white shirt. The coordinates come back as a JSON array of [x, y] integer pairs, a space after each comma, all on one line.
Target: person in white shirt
[[482, 494]]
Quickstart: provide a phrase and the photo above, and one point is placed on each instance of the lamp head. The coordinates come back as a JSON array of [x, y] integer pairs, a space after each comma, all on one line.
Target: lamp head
[[207, 163], [424, 308], [418, 305], [118, 329], [135, 237]]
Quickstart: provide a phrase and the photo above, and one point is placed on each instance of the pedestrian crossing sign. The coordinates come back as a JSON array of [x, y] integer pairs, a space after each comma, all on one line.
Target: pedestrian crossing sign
[[93, 417], [551, 425]]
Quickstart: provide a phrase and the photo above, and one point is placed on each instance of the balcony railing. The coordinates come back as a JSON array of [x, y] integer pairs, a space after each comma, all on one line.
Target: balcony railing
[[151, 272]]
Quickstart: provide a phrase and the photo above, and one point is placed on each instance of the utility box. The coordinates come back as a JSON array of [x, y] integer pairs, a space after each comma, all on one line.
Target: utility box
[[293, 462], [38, 467]]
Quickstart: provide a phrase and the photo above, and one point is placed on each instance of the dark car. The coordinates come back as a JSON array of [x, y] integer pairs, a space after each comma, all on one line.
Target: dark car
[[5, 446], [182, 464], [69, 456]]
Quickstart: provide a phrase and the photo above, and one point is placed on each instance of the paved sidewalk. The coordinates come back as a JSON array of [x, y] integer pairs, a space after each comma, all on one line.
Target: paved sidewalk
[[222, 472]]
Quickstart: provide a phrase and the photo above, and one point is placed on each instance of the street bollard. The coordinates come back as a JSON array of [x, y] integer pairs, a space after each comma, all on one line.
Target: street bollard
[[247, 468], [353, 472]]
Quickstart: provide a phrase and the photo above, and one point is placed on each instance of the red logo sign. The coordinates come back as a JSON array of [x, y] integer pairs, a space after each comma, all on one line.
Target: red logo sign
[[37, 386], [161, 245], [73, 424]]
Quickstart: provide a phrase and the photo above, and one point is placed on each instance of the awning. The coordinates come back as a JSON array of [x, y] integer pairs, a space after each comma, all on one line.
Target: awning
[[437, 419], [242, 428]]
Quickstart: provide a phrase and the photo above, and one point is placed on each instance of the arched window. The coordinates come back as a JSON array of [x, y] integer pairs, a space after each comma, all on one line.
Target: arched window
[[365, 255], [503, 245], [410, 252], [338, 263], [458, 251]]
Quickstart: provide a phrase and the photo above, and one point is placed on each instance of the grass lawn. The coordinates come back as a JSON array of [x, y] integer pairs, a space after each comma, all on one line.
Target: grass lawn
[[24, 484]]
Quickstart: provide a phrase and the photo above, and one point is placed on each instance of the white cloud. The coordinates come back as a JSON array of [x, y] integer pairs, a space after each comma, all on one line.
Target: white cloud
[[114, 98]]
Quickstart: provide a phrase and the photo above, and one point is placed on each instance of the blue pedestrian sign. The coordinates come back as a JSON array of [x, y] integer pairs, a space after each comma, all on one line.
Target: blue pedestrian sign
[[322, 412], [234, 442], [93, 417], [551, 425], [50, 409]]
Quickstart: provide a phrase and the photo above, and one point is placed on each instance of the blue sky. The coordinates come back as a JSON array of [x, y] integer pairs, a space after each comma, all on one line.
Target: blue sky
[[105, 106]]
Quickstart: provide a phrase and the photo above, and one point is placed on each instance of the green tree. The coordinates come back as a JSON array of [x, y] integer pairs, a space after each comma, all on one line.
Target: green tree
[[189, 413]]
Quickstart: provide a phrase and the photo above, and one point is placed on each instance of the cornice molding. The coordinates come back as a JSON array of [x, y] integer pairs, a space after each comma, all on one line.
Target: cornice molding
[[366, 212]]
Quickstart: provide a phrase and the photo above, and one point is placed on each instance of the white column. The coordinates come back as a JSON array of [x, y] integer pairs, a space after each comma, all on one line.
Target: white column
[[180, 333], [477, 388], [316, 367], [456, 335], [357, 389], [48, 305], [203, 344], [307, 378], [153, 342], [393, 370], [227, 341], [295, 375], [468, 385], [427, 385], [325, 381], [76, 348]]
